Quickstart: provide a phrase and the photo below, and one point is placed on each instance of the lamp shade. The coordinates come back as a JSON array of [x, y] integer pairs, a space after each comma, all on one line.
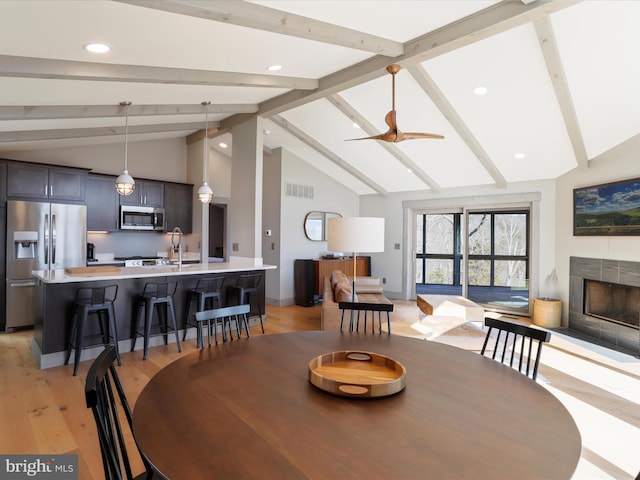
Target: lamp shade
[[355, 234]]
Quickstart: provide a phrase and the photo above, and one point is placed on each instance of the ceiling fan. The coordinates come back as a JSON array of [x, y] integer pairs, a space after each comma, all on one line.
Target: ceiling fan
[[393, 134]]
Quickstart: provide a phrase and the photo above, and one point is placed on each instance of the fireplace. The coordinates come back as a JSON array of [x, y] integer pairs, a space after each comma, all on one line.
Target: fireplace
[[604, 302], [612, 302]]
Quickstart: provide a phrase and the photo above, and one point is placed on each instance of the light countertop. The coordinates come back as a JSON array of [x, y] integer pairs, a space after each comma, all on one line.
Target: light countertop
[[60, 276]]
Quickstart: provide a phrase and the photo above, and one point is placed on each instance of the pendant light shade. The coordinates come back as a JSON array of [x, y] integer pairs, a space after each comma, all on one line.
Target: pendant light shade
[[205, 193], [125, 185]]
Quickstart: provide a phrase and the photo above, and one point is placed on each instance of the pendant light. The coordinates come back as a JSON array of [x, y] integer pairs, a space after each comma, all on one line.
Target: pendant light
[[205, 194], [125, 185]]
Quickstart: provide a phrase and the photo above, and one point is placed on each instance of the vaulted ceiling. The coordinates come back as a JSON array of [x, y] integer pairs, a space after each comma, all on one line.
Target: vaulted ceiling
[[562, 81]]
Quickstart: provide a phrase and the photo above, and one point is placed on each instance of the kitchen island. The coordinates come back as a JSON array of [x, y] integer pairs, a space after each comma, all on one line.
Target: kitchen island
[[56, 292]]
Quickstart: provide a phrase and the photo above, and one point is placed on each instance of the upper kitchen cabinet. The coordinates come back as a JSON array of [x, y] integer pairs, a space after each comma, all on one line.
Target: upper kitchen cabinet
[[39, 182], [178, 207], [102, 203], [147, 193]]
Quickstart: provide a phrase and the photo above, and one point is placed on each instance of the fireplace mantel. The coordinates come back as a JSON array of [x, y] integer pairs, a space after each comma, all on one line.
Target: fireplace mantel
[[611, 334]]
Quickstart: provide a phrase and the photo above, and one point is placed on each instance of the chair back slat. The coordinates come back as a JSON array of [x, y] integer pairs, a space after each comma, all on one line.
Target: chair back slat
[[510, 350], [216, 313], [365, 309], [102, 378]]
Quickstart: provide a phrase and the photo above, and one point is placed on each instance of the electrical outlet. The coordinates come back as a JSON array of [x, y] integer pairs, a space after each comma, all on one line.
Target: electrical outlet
[[234, 247], [396, 246], [384, 279]]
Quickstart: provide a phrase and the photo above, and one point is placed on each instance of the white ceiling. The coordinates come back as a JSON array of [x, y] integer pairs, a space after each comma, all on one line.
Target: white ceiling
[[563, 80]]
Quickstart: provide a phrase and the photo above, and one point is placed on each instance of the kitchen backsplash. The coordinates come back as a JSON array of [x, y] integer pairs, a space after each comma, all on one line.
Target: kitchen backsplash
[[127, 244]]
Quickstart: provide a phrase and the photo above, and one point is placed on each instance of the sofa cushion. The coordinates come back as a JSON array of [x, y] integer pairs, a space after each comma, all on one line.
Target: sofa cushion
[[343, 291], [336, 275]]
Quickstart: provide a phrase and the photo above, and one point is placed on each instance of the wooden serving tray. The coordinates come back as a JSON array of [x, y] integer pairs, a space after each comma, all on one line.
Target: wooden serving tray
[[96, 270], [357, 374]]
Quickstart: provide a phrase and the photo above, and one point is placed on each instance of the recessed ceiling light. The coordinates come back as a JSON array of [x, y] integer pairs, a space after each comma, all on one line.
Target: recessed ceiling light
[[266, 131], [97, 47], [355, 125], [480, 91], [222, 145], [519, 155], [274, 68]]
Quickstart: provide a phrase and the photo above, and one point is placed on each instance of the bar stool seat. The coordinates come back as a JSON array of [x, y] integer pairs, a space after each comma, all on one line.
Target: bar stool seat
[[245, 290], [206, 292], [156, 297], [93, 300]]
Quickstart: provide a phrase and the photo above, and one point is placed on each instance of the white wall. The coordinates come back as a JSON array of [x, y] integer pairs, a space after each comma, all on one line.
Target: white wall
[[155, 160], [621, 163], [328, 196]]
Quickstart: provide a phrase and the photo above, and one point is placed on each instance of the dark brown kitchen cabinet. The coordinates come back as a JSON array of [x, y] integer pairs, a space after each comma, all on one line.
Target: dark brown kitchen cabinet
[[102, 203], [39, 182], [178, 206], [147, 193]]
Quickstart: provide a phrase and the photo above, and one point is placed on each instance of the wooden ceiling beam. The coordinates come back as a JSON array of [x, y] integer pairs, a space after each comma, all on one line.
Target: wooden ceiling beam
[[45, 112], [256, 16], [440, 100], [28, 67], [555, 69]]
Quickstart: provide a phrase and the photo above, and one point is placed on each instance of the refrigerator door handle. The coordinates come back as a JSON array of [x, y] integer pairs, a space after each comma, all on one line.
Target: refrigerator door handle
[[53, 239], [23, 283], [46, 239]]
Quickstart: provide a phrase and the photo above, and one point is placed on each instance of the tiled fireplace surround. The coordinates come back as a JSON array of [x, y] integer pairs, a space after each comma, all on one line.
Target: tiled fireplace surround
[[610, 334]]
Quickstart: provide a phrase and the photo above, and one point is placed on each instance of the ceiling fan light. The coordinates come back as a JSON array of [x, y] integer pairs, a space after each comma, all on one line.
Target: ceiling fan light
[[125, 185], [205, 194]]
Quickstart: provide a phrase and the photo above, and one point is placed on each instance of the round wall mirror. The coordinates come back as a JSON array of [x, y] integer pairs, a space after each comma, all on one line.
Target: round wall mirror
[[315, 225]]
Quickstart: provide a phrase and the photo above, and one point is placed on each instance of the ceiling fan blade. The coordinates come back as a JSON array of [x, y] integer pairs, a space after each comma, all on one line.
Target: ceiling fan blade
[[414, 135], [393, 135], [375, 137], [390, 119]]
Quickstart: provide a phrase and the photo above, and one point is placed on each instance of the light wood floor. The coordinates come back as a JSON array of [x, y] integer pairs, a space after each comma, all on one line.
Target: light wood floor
[[43, 411]]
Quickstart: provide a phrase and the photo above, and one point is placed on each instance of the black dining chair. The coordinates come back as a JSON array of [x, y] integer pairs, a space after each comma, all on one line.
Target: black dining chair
[[101, 399], [521, 345], [365, 309], [223, 316]]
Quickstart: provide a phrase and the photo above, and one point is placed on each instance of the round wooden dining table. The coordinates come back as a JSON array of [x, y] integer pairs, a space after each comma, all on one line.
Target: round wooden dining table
[[246, 409]]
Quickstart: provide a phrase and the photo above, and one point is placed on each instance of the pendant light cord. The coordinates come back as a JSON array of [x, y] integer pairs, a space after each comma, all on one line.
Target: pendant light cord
[[126, 132], [205, 158]]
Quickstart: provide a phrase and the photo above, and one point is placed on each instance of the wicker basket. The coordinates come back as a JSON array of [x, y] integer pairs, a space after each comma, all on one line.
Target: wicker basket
[[547, 312]]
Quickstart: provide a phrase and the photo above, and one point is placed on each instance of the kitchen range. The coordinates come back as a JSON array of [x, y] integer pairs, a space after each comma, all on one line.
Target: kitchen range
[[141, 261]]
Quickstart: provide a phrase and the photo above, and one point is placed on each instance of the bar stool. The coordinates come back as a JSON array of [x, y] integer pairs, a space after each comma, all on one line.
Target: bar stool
[[160, 296], [97, 300], [207, 291], [245, 289]]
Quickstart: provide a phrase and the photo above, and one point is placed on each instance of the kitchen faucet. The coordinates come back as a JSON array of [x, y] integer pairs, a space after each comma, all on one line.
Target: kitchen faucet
[[178, 245]]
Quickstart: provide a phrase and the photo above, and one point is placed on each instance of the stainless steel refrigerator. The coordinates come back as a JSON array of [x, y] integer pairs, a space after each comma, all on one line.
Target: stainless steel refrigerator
[[40, 236]]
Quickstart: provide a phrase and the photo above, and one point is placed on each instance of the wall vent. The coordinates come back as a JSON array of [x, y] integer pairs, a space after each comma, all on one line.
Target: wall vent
[[296, 190]]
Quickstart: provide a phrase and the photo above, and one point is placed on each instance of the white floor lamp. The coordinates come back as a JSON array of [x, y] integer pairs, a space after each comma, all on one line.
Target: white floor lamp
[[355, 234]]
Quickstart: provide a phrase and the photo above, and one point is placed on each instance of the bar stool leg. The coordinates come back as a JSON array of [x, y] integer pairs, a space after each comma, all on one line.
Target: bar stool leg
[[79, 332], [149, 306], [114, 331], [172, 312]]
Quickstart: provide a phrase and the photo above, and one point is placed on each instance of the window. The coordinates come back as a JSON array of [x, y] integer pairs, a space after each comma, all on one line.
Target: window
[[497, 247]]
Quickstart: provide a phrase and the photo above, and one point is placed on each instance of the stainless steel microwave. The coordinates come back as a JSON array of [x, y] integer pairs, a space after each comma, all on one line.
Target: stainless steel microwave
[[141, 218]]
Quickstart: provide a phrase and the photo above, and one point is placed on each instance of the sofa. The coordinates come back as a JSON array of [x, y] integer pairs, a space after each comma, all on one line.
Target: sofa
[[339, 288]]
